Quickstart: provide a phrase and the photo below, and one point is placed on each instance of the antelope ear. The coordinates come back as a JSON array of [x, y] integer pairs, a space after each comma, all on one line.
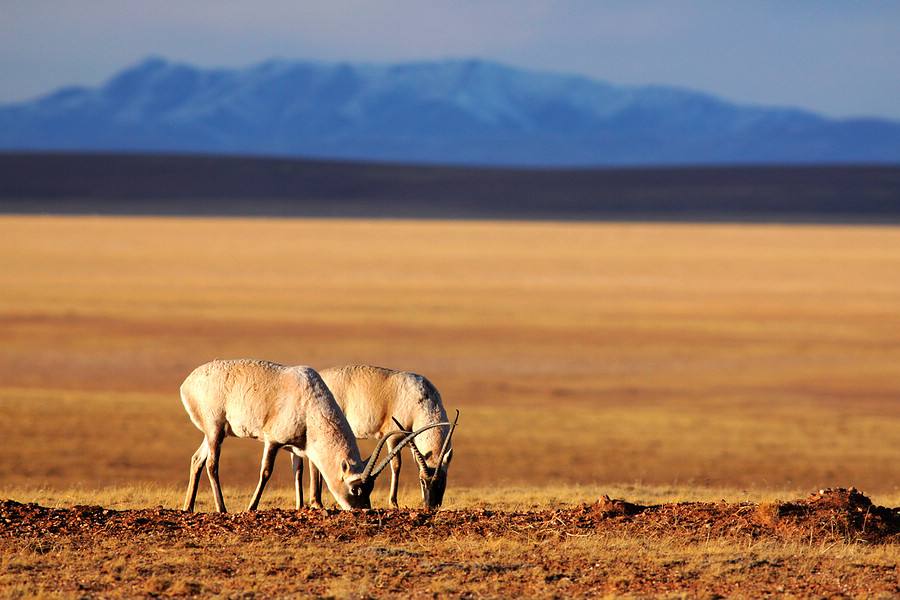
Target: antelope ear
[[448, 457], [345, 466]]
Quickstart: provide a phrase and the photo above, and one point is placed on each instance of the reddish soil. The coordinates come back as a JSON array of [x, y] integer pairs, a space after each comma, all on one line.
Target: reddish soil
[[830, 515]]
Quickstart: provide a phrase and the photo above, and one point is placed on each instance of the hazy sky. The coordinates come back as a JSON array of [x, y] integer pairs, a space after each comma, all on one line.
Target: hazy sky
[[840, 58]]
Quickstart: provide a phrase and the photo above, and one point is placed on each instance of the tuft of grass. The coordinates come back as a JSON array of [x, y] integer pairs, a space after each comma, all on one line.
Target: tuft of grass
[[767, 513]]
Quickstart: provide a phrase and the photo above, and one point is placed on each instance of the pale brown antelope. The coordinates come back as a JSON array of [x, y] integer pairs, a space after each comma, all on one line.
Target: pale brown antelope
[[371, 397], [283, 407]]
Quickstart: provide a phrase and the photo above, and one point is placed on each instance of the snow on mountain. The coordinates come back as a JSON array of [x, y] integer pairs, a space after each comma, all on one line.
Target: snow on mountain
[[453, 111]]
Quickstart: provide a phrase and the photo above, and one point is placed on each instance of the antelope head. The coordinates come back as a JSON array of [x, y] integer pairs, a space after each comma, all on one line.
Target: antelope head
[[360, 485], [433, 480]]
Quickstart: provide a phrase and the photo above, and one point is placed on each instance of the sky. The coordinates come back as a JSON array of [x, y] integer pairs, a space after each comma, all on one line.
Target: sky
[[839, 58]]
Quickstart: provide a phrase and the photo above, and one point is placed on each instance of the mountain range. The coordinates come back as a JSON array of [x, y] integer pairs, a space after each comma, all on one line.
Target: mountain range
[[470, 112]]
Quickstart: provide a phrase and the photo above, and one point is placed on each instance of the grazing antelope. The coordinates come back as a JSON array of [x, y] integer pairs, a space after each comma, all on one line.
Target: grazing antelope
[[283, 407], [370, 397]]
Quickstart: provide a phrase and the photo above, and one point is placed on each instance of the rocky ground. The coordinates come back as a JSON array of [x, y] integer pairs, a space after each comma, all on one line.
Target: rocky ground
[[829, 515], [570, 551]]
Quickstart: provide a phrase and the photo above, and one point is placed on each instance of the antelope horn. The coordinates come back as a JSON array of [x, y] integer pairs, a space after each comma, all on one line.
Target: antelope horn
[[423, 466], [374, 457], [446, 445], [387, 459]]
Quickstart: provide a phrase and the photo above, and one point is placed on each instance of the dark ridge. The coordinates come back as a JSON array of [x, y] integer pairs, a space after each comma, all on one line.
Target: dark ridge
[[126, 184]]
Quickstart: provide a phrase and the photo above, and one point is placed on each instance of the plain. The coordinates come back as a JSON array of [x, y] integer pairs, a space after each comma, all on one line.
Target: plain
[[652, 361]]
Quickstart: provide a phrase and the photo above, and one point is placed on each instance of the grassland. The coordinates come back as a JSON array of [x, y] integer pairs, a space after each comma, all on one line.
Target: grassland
[[600, 566], [736, 356], [655, 362]]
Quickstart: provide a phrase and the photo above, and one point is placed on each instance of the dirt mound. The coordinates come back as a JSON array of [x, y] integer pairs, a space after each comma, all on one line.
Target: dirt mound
[[829, 515], [833, 512]]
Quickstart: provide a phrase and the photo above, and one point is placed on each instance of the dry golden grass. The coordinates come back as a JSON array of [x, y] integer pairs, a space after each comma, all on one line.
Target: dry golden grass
[[510, 497], [598, 565], [651, 362], [750, 357]]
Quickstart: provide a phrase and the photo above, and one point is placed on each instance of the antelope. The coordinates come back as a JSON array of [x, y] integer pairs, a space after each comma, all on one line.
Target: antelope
[[287, 408], [371, 397]]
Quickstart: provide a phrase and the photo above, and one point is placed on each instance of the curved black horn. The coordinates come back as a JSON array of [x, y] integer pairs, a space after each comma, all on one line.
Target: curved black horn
[[446, 445], [374, 457], [423, 466], [387, 459]]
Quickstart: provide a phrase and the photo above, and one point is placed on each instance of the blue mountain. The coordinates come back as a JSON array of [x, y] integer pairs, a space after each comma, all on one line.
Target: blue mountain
[[454, 111]]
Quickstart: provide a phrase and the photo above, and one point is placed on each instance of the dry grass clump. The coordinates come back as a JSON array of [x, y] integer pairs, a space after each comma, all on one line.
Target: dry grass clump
[[767, 513]]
